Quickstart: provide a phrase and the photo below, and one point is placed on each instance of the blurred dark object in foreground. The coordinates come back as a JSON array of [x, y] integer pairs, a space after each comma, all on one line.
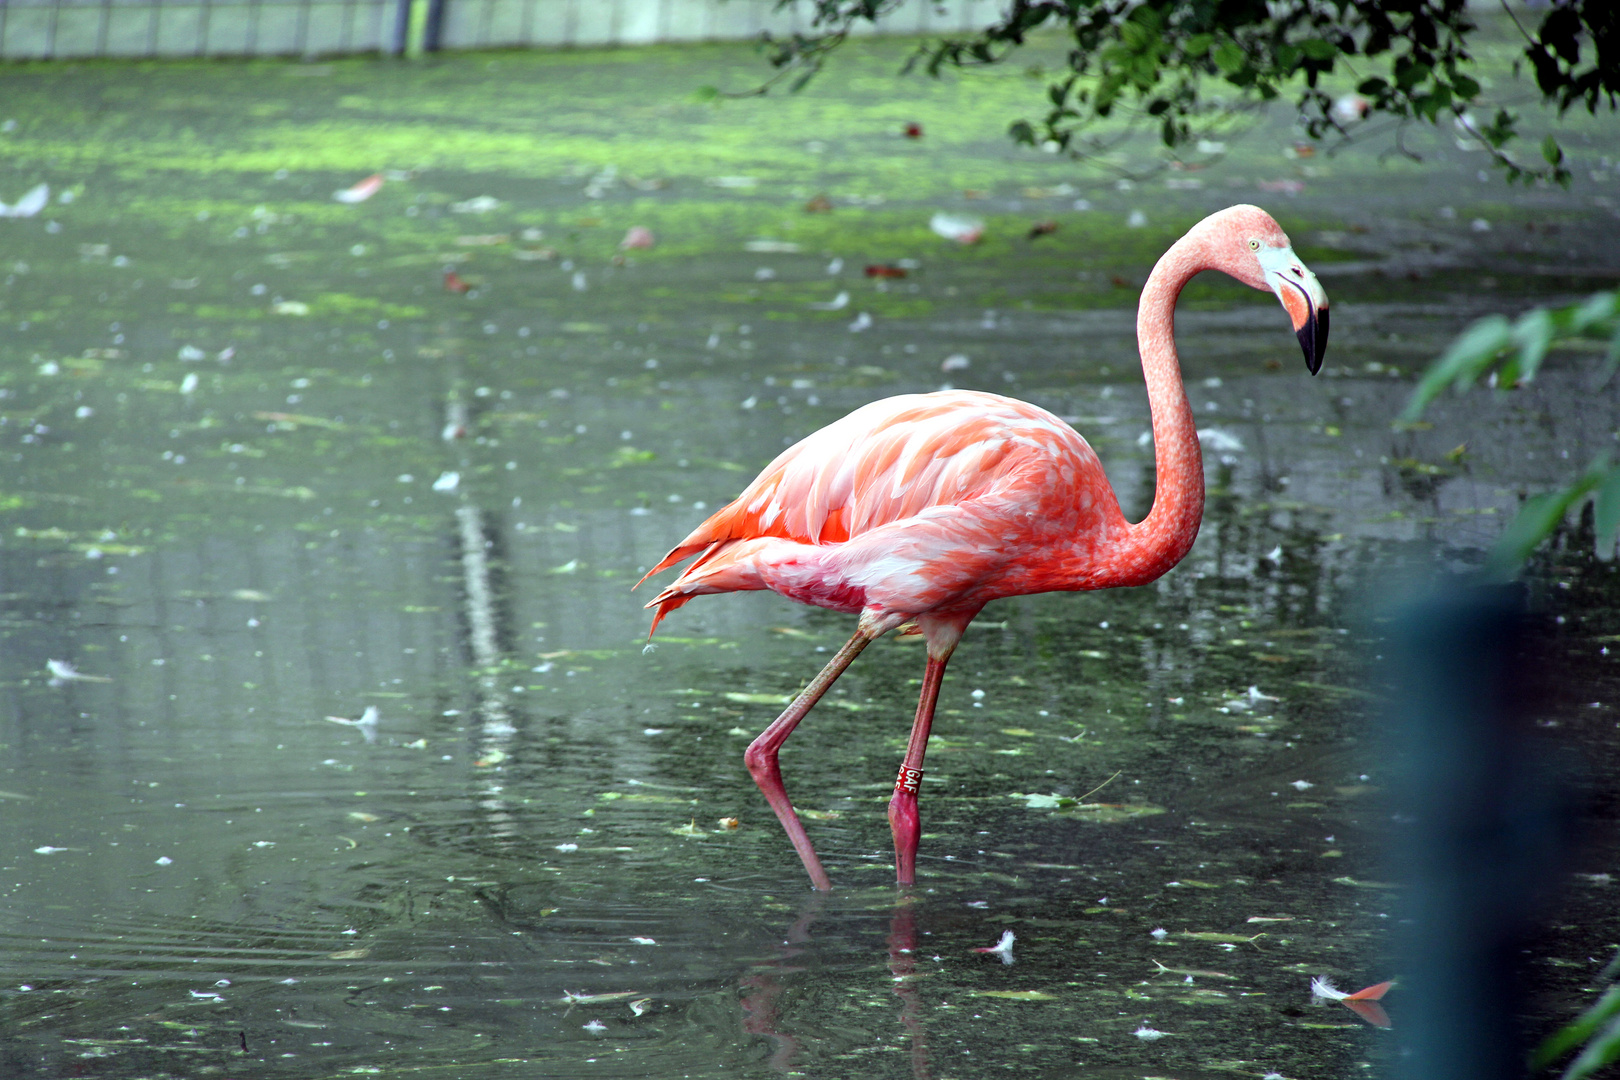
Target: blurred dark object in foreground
[[1483, 828]]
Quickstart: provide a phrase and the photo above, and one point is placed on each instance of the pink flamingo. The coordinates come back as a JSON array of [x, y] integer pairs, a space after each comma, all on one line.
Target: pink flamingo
[[917, 510]]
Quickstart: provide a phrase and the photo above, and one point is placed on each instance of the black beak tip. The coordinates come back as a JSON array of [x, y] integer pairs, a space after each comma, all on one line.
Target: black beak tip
[[1313, 339]]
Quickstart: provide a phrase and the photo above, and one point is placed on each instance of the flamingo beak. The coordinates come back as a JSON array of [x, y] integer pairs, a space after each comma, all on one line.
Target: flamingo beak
[[1312, 331], [1305, 301]]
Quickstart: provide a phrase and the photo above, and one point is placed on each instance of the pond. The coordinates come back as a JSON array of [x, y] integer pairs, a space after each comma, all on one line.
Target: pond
[[278, 462]]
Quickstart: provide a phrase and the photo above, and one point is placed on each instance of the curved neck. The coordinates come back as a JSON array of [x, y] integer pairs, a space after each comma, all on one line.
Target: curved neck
[[1161, 539]]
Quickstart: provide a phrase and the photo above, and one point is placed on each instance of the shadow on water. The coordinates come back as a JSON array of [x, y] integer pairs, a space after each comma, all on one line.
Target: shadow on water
[[544, 857]]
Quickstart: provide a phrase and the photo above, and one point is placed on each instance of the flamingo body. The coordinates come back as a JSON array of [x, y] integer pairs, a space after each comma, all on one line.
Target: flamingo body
[[923, 504], [917, 510]]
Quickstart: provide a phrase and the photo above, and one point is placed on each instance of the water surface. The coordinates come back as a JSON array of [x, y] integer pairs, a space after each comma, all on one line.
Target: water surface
[[229, 506]]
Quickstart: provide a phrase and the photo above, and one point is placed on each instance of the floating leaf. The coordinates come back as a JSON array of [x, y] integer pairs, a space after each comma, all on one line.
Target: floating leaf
[[1016, 995]]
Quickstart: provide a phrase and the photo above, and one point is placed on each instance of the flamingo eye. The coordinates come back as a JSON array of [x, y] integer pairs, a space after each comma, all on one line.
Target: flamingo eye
[[1254, 245]]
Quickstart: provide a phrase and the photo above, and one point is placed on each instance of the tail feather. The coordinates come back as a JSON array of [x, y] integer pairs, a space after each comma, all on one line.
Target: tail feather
[[665, 603], [1371, 993], [675, 556], [722, 568]]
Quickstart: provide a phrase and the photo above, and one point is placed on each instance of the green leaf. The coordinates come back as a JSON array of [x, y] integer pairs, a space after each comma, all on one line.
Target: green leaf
[[1598, 308], [1551, 151], [1577, 1031], [1462, 363], [1603, 1050], [1537, 518], [1533, 333], [1606, 511], [1536, 521], [1318, 49], [1229, 58]]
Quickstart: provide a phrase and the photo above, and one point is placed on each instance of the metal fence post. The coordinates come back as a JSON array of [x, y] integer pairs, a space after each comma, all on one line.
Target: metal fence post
[[433, 27], [402, 28], [1480, 830]]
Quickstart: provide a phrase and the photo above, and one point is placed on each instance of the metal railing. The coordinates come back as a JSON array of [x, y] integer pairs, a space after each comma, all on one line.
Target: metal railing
[[68, 29]]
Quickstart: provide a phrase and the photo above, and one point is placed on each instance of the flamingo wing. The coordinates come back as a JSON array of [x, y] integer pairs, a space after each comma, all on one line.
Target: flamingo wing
[[885, 463]]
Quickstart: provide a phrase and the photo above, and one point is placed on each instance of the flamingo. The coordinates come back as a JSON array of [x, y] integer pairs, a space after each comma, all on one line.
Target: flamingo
[[915, 511]]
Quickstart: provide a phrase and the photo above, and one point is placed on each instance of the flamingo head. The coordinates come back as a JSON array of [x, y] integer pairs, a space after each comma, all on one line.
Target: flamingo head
[[1251, 246]]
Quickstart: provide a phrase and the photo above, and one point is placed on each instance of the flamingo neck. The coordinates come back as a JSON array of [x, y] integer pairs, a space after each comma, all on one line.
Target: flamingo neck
[[1161, 539]]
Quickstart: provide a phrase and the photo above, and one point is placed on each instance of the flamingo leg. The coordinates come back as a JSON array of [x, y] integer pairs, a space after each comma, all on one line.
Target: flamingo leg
[[903, 818], [760, 756]]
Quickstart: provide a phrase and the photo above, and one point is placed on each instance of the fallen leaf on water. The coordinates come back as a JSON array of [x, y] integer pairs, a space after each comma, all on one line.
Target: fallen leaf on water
[[1017, 995], [578, 997], [1194, 972], [349, 954], [884, 270], [758, 699], [1228, 939], [294, 420], [454, 283], [818, 205]]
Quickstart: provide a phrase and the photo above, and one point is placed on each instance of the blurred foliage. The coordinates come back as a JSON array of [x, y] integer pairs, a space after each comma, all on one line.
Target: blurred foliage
[[1507, 354], [1160, 57], [1596, 1032]]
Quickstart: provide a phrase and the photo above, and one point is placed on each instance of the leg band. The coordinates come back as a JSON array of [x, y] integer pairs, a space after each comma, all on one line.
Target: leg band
[[909, 780]]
